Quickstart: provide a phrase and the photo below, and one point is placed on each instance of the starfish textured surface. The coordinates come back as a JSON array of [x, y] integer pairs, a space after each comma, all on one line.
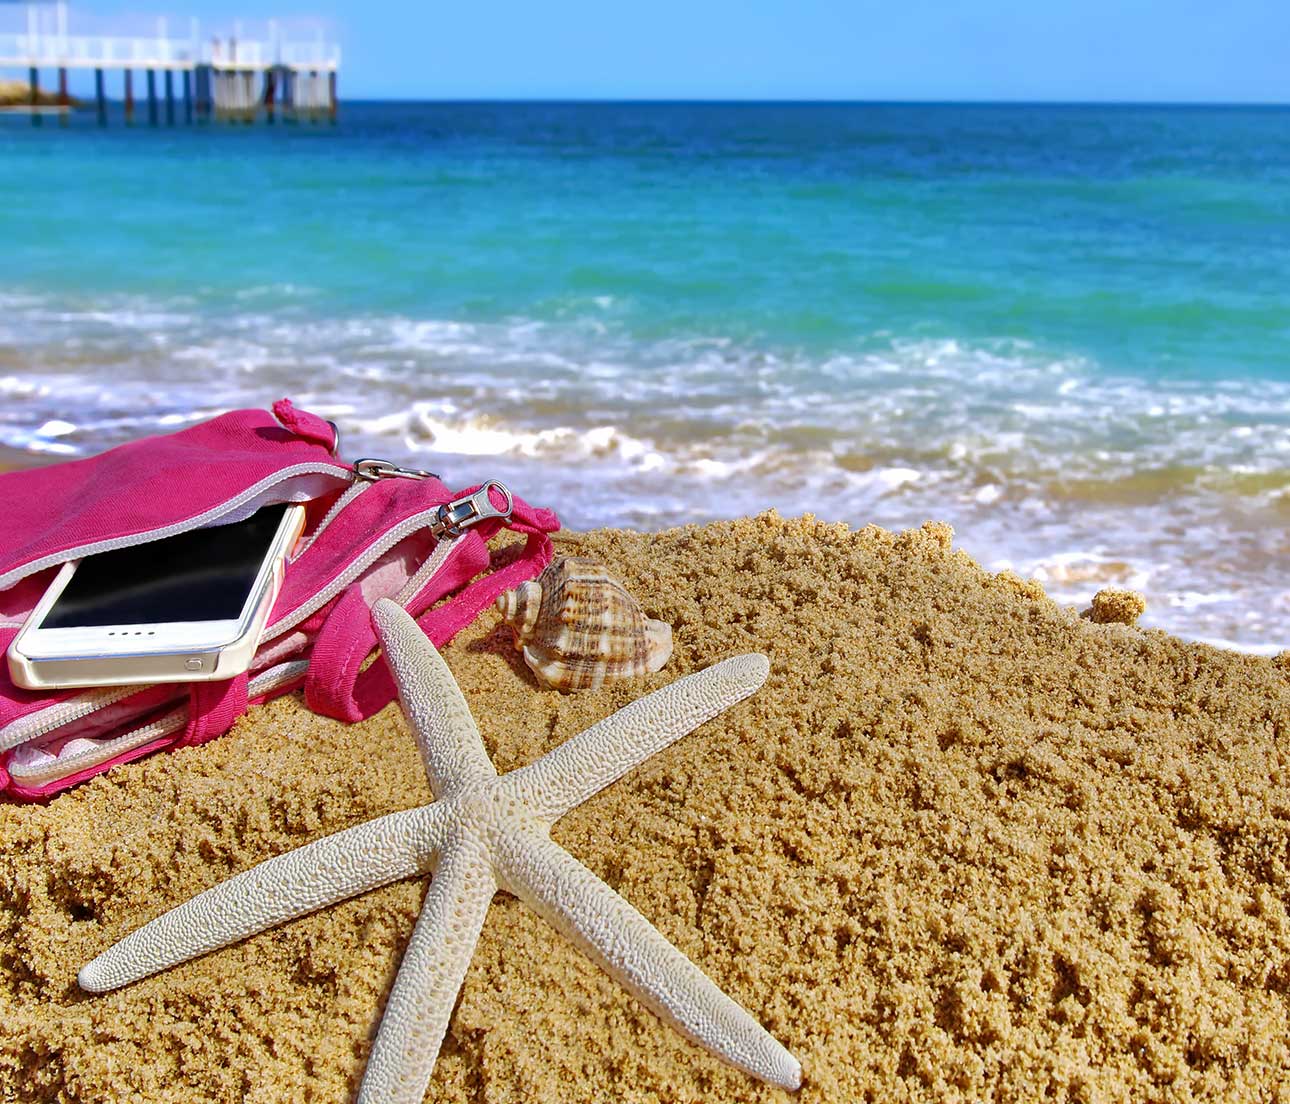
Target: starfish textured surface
[[483, 832]]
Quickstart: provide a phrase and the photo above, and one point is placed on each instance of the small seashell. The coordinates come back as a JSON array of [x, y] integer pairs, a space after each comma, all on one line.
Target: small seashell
[[578, 627]]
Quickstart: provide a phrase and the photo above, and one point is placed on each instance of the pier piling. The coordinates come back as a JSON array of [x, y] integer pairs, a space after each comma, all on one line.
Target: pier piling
[[170, 98], [202, 80], [129, 96], [152, 97], [270, 80], [100, 100], [33, 79], [288, 96], [64, 102], [188, 96]]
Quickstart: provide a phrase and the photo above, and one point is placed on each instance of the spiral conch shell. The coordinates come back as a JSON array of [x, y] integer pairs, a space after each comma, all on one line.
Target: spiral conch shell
[[578, 627]]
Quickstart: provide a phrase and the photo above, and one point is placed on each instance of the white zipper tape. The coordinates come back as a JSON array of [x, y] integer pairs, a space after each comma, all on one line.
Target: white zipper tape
[[427, 571], [35, 725], [356, 489], [353, 571], [32, 766]]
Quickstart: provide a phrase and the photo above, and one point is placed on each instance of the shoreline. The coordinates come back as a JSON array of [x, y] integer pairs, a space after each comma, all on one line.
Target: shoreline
[[1056, 576], [963, 843]]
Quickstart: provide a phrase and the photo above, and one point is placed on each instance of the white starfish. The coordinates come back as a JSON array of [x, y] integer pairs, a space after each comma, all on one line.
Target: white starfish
[[481, 833]]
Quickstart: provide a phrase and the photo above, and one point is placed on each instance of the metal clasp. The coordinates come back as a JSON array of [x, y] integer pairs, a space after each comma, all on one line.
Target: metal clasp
[[372, 469], [459, 515]]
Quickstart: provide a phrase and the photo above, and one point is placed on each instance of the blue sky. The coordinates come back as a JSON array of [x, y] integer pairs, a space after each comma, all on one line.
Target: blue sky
[[1185, 50]]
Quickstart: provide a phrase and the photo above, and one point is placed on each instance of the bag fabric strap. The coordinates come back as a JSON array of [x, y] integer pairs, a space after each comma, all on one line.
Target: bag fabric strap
[[336, 684], [213, 707]]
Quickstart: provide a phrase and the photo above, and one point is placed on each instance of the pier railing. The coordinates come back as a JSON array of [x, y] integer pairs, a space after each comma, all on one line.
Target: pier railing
[[118, 52], [89, 52]]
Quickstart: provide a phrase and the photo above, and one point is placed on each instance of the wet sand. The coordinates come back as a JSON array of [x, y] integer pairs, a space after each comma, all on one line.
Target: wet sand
[[964, 845]]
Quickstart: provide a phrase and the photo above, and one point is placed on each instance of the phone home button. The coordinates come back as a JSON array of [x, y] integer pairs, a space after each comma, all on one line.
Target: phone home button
[[193, 664]]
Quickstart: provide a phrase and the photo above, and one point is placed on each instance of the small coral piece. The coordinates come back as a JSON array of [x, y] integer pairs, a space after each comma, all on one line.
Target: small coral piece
[[1116, 607]]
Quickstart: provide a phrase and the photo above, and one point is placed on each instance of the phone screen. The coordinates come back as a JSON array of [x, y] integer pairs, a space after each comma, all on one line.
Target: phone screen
[[201, 575]]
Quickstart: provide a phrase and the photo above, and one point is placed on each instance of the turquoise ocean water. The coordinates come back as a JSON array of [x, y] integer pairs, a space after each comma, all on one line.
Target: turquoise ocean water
[[1066, 330]]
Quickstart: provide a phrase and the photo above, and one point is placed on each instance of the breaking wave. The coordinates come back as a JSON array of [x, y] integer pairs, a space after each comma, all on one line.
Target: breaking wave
[[1044, 461]]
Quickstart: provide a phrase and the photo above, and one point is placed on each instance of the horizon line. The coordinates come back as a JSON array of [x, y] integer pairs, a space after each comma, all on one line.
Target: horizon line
[[808, 101]]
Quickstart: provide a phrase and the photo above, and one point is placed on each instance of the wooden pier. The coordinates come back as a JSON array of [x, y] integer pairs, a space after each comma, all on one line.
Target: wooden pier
[[226, 76]]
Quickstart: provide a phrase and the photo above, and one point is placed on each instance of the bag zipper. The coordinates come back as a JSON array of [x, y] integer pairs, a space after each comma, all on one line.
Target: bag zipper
[[355, 489], [165, 725], [53, 717], [367, 471], [447, 522]]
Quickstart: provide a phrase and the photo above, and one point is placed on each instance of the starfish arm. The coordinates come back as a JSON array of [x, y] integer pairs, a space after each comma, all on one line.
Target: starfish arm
[[331, 869], [429, 979], [611, 932], [432, 701], [588, 762]]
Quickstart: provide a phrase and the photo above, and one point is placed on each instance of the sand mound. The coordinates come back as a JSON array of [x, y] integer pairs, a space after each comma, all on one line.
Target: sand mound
[[963, 845], [18, 94]]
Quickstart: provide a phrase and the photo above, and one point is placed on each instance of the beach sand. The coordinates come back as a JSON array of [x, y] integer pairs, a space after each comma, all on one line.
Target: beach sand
[[964, 844]]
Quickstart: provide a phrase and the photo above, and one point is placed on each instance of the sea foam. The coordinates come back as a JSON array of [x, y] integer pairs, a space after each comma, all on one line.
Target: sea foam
[[1040, 459]]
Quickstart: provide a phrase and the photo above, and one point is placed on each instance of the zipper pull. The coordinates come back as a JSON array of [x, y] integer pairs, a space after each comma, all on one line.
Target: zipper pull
[[371, 469], [459, 515]]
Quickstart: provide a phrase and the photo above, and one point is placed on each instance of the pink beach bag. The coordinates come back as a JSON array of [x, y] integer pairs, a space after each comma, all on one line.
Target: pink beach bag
[[373, 530]]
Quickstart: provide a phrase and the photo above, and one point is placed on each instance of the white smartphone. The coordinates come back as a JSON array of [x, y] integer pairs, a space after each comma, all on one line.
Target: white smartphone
[[183, 608]]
